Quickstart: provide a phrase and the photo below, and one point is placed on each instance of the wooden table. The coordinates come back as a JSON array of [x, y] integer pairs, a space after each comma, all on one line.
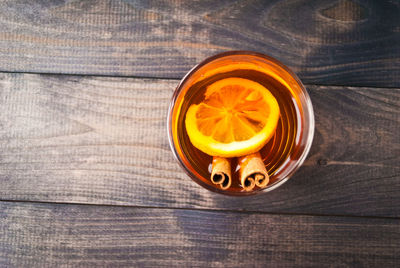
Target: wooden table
[[86, 174]]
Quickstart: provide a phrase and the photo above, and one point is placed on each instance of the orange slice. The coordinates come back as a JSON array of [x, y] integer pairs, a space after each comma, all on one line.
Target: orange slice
[[237, 117]]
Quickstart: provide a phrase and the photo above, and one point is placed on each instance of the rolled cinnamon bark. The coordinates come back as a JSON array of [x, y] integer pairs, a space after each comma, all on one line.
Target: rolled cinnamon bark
[[252, 172], [221, 172]]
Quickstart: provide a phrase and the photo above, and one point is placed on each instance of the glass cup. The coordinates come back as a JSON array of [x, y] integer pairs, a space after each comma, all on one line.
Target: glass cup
[[283, 154]]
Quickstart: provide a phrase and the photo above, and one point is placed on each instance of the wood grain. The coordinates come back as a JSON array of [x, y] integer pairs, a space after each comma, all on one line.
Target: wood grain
[[48, 235], [102, 140], [326, 42]]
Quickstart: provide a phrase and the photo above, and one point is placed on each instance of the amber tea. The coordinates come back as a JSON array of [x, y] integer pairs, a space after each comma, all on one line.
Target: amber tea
[[286, 147]]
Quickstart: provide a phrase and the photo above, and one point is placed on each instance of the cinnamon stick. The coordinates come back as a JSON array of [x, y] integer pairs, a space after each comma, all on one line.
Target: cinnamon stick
[[252, 172], [221, 172]]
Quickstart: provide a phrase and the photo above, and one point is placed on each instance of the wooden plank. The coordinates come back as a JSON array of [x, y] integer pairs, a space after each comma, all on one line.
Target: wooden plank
[[38, 235], [326, 42], [103, 140]]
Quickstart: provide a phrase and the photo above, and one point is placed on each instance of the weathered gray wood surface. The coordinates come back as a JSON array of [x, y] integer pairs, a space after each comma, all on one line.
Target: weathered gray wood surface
[[49, 235], [326, 42], [102, 140]]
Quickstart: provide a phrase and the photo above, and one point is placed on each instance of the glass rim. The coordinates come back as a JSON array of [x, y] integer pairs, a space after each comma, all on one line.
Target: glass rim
[[308, 111]]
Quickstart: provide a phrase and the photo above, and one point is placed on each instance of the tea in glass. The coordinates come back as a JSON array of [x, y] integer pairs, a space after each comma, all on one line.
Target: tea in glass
[[253, 82]]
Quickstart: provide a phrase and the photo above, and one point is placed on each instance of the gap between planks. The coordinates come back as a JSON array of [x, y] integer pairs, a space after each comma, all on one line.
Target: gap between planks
[[325, 86], [248, 212]]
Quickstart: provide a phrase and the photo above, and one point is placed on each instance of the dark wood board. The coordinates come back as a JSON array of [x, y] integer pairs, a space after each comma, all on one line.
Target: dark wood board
[[50, 235], [326, 42], [102, 140]]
